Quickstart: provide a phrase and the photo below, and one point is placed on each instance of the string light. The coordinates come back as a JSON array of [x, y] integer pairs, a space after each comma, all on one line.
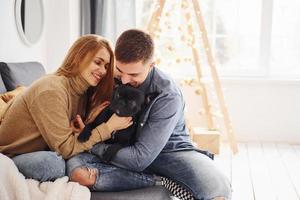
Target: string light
[[192, 42], [202, 111]]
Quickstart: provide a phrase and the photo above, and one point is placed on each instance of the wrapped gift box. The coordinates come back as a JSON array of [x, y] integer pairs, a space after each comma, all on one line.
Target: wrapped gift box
[[206, 139], [203, 138]]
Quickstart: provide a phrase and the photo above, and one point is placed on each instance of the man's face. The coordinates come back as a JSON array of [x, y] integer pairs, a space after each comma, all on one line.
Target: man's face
[[133, 73]]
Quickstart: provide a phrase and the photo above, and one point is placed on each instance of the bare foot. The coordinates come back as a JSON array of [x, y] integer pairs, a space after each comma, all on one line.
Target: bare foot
[[84, 176]]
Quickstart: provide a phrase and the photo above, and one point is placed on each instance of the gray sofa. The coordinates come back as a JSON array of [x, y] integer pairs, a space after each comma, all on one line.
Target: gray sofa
[[13, 74]]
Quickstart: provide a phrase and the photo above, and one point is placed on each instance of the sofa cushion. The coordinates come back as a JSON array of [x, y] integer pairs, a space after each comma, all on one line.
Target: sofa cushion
[[14, 74], [149, 193]]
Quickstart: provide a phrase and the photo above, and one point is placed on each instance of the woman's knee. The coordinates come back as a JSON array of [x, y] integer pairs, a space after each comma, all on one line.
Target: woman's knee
[[84, 176], [41, 166], [57, 167]]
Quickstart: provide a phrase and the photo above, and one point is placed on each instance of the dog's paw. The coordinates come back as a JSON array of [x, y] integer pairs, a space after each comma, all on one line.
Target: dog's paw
[[83, 137], [85, 134]]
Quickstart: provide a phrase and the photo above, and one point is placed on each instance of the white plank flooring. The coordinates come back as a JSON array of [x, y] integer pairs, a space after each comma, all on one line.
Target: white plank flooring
[[262, 171]]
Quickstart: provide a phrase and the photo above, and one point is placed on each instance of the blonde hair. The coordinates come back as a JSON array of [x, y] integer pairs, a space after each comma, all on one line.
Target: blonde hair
[[80, 56]]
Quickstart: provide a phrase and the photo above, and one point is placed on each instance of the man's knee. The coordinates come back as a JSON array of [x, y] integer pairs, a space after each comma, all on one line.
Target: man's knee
[[215, 190], [84, 176]]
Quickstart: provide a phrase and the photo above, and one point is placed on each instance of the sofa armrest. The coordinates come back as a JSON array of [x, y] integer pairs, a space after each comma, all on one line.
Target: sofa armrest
[[14, 74]]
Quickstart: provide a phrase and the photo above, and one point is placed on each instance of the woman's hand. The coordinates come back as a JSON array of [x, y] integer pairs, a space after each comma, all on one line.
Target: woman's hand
[[12, 94], [116, 123], [77, 124], [96, 111]]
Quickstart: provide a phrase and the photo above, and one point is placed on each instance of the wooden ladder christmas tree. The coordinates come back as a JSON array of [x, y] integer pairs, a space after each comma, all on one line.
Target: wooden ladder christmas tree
[[153, 27]]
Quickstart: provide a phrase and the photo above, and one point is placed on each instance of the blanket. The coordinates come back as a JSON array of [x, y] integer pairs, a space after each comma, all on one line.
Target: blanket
[[14, 186]]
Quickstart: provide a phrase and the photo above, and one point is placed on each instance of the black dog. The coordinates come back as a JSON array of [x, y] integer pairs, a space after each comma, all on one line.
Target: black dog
[[126, 102]]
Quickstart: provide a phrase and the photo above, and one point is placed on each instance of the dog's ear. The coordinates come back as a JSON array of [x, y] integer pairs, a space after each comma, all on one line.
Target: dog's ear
[[150, 96]]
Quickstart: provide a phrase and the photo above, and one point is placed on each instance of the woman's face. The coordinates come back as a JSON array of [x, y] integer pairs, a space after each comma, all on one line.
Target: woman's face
[[97, 69]]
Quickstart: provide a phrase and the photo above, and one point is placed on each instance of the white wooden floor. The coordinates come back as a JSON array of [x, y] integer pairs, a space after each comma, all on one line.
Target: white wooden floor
[[262, 171]]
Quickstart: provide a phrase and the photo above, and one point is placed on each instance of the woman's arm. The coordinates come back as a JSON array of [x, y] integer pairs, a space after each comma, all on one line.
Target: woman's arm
[[49, 111]]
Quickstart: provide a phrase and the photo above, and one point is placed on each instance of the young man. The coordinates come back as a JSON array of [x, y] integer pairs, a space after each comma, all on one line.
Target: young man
[[162, 144]]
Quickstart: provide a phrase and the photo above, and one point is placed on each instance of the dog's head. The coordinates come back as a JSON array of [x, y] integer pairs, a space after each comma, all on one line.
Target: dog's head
[[128, 101]]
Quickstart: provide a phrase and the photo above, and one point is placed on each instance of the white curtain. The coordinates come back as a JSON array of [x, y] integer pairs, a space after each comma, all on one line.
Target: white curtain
[[108, 18]]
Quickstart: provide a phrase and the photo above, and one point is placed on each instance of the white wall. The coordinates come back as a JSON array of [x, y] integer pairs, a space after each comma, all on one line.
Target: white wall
[[260, 110], [264, 110], [61, 28], [12, 49]]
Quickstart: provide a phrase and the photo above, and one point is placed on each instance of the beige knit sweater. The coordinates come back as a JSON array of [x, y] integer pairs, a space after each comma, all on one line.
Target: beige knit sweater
[[40, 118]]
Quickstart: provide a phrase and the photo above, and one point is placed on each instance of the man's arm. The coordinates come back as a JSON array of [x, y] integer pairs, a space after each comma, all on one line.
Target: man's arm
[[153, 136]]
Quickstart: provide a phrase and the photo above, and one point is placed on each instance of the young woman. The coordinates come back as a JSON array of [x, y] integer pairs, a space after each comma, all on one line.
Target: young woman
[[38, 130]]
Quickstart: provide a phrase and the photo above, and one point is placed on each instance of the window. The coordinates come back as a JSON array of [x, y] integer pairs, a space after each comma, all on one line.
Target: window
[[248, 37], [285, 44]]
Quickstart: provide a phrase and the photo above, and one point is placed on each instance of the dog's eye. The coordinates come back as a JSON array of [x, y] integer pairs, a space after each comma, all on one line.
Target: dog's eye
[[131, 104]]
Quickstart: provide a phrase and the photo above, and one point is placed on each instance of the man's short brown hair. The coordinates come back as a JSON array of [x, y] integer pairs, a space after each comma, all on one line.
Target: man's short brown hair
[[133, 46]]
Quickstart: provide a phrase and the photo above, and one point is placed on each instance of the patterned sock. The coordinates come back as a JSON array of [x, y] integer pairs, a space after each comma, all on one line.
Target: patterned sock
[[176, 189]]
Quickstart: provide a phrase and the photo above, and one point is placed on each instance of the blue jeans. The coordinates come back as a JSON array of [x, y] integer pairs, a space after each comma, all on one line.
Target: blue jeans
[[110, 178], [194, 171], [41, 165]]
